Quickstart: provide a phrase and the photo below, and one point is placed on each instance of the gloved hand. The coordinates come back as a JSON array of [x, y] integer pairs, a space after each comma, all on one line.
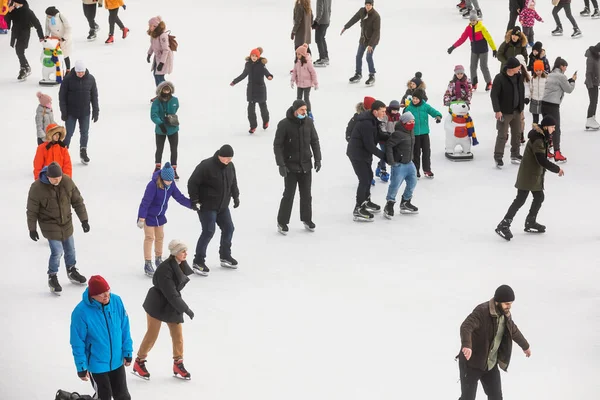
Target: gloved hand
[[526, 101], [283, 171], [236, 202], [293, 35], [124, 6], [163, 128], [141, 222], [317, 166], [34, 236], [190, 313], [63, 117], [83, 375], [316, 87], [495, 54], [63, 39], [86, 226], [451, 49], [128, 361], [438, 120], [196, 205], [95, 117], [148, 58], [160, 66], [292, 84], [315, 25], [232, 84]]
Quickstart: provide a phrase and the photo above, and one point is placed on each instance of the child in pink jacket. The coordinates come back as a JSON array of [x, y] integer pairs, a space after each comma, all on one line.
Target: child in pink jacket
[[304, 76], [527, 19]]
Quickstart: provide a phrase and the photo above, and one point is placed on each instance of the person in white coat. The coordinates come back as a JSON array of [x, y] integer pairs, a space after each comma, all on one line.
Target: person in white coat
[[58, 26]]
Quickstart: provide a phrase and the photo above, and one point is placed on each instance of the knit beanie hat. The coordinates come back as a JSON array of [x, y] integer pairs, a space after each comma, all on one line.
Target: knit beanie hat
[[512, 63], [473, 16], [302, 50], [547, 121], [226, 151], [155, 20], [54, 170], [521, 60], [459, 69], [176, 247], [97, 285], [538, 65], [369, 2], [368, 102], [51, 11], [167, 173], [417, 79], [597, 47], [395, 104], [537, 46], [377, 104], [44, 99], [504, 294], [516, 31], [298, 104], [419, 94], [407, 117], [79, 66], [256, 52]]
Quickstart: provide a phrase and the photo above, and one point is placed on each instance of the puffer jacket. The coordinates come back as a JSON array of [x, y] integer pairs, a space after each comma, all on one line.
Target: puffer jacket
[[422, 112], [160, 108], [213, 184], [510, 49], [535, 162], [557, 85], [294, 140], [256, 73], [479, 36], [592, 71], [304, 75], [155, 202], [112, 4], [76, 94], [44, 116], [159, 46], [537, 87], [362, 145], [58, 26], [399, 147], [50, 151]]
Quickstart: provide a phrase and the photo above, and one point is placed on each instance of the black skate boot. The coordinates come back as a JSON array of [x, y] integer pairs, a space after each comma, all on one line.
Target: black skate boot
[[200, 269], [516, 159], [372, 207], [83, 155], [356, 78], [596, 14], [75, 276], [283, 229], [179, 370], [585, 12], [407, 208], [362, 214], [157, 167], [309, 225], [91, 35], [532, 226], [175, 172], [139, 369], [499, 163], [22, 75], [229, 262], [558, 31], [371, 80], [388, 210], [54, 285], [64, 395], [503, 229], [576, 33]]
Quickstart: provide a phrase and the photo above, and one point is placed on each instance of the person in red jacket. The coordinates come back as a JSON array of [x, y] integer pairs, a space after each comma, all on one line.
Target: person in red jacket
[[53, 149]]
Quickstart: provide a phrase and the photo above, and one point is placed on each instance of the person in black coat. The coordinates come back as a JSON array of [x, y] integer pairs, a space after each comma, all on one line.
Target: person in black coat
[[22, 19], [295, 137], [164, 304], [515, 7], [77, 92], [256, 71], [361, 148], [211, 187]]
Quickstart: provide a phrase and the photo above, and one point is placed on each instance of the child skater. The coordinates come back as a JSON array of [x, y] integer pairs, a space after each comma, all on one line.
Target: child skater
[[538, 53], [459, 88], [537, 86], [527, 19], [392, 115], [164, 109], [256, 92], [53, 150], [43, 116], [412, 85], [304, 76]]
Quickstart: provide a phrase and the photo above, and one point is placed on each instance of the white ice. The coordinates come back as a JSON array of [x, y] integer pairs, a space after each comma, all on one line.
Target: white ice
[[351, 311]]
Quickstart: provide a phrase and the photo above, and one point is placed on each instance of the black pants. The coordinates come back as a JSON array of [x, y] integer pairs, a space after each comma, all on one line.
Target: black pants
[[89, 10], [422, 144], [20, 47], [363, 171], [321, 42], [567, 8], [264, 113], [470, 377], [512, 20], [67, 63], [160, 145], [303, 180], [113, 18], [536, 118], [111, 385], [593, 93], [554, 111], [304, 92], [538, 199], [594, 2], [528, 31]]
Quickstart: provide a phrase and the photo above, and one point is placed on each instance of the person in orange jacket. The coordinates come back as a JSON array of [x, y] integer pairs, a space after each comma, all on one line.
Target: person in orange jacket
[[53, 149]]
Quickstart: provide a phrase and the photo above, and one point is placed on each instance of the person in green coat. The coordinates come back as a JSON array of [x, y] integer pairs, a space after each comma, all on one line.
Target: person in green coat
[[422, 111], [164, 115], [531, 178], [515, 43]]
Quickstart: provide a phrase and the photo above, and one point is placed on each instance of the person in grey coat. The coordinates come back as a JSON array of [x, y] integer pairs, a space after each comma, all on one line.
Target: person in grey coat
[[592, 82], [301, 31], [320, 25], [557, 85], [43, 116]]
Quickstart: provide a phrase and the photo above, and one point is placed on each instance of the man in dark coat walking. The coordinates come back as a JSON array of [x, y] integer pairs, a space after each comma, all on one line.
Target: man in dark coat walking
[[295, 137], [320, 25], [486, 338], [211, 187], [77, 92], [22, 18]]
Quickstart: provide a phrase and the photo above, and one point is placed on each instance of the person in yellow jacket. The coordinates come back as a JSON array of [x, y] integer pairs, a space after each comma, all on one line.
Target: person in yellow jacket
[[113, 18]]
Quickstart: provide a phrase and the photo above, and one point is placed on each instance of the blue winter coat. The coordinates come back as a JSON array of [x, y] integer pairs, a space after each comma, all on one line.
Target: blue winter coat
[[100, 336], [156, 201], [422, 112], [159, 111]]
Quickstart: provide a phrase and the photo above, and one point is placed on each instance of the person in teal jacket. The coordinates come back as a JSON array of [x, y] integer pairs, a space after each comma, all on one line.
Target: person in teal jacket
[[165, 104], [422, 111], [101, 340]]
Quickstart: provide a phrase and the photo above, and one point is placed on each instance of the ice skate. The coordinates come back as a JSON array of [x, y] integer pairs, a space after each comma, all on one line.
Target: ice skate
[[532, 226], [596, 14], [592, 124], [54, 285], [503, 229], [283, 229], [516, 159], [371, 80], [356, 78], [251, 130], [179, 370], [110, 40], [75, 276], [83, 155], [388, 210], [488, 87], [385, 177], [576, 33], [406, 207], [229, 262], [428, 174], [362, 214], [158, 260], [148, 268], [175, 174], [372, 207], [466, 13], [22, 75], [585, 12], [157, 167], [321, 62], [499, 163], [139, 369], [92, 35], [377, 171], [309, 225], [558, 157], [265, 125], [200, 269], [558, 31], [125, 32]]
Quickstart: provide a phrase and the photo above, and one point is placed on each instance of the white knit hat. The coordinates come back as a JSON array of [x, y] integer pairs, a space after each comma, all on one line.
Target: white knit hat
[[176, 246], [79, 66]]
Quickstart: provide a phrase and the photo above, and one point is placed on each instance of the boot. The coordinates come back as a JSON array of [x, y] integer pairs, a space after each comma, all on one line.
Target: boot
[[22, 75], [516, 159], [266, 125], [371, 80], [461, 4], [558, 31], [558, 157], [372, 207], [362, 214], [148, 268], [407, 208], [532, 226], [158, 260], [388, 210], [466, 13], [488, 87], [54, 285], [576, 33], [596, 14], [283, 229], [200, 268], [92, 35], [125, 32], [75, 276], [83, 155], [585, 12], [385, 177], [176, 177], [356, 78], [309, 226], [503, 229], [139, 369], [180, 371], [229, 262], [592, 124], [110, 40], [428, 174]]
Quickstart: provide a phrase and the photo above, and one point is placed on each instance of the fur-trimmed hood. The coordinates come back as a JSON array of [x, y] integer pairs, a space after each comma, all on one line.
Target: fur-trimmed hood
[[56, 129], [260, 59], [160, 87], [360, 108], [521, 36], [421, 86]]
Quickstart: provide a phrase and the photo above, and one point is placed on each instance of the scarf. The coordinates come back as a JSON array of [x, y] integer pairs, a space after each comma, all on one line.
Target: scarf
[[468, 121], [460, 89], [56, 62]]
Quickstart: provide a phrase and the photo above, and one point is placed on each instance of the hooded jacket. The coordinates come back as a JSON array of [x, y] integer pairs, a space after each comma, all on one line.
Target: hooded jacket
[[362, 145], [422, 112], [256, 73], [76, 94], [159, 46], [399, 147], [592, 70], [294, 140], [502, 93], [557, 85], [479, 37], [535, 162], [161, 108], [44, 116], [50, 151], [155, 202], [370, 26], [213, 184], [58, 26], [510, 49], [22, 20], [304, 75]]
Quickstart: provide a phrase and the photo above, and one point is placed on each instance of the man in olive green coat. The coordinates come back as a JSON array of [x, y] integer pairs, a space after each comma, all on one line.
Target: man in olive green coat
[[49, 205], [531, 178]]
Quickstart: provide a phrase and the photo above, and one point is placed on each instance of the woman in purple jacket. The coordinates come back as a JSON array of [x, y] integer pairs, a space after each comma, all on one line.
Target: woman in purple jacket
[[151, 215]]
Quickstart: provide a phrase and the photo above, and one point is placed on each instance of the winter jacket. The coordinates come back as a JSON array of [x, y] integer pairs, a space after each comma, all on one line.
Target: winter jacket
[[155, 202], [100, 335], [163, 301], [535, 162], [44, 116], [502, 93], [557, 85], [50, 207], [159, 111], [76, 94], [112, 4], [477, 333], [58, 26], [541, 56], [99, 2], [399, 147], [516, 5], [213, 184], [304, 76], [592, 70], [537, 87], [479, 37], [364, 137], [294, 140], [159, 46], [256, 73], [463, 93], [391, 119], [22, 20], [528, 17], [422, 112], [370, 26], [50, 151], [302, 29], [409, 92], [323, 12], [510, 49]]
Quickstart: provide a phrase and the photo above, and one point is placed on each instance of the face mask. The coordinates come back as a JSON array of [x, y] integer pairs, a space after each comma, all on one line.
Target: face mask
[[409, 125], [300, 116], [53, 20]]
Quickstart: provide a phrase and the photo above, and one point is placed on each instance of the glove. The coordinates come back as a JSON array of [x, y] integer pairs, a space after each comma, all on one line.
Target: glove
[[62, 39], [82, 374], [63, 117], [148, 58], [236, 202], [190, 313], [316, 87], [451, 49], [34, 236], [293, 35], [283, 171], [128, 360], [85, 226], [438, 120], [160, 66], [141, 223], [124, 6], [495, 54], [317, 166], [314, 25], [163, 128], [95, 118], [99, 5], [196, 205], [526, 101], [292, 85], [232, 84]]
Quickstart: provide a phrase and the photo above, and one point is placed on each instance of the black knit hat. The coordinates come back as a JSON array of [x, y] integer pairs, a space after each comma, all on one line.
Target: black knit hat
[[516, 31], [298, 104], [537, 46], [512, 63], [51, 11], [417, 79], [378, 104], [504, 294], [419, 94], [369, 2], [226, 151], [54, 170], [547, 121]]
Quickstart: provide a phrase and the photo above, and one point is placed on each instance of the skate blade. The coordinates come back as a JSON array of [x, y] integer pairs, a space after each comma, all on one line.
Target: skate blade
[[55, 293], [589, 128], [355, 82], [227, 265], [84, 163], [388, 216], [533, 231], [77, 282], [502, 236], [200, 273], [148, 274], [361, 219], [408, 212], [282, 232], [183, 378], [309, 229], [515, 162], [146, 378]]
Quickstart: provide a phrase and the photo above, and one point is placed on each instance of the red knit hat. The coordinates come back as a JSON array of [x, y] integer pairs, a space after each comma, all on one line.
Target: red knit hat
[[256, 52], [97, 285], [538, 65], [368, 102]]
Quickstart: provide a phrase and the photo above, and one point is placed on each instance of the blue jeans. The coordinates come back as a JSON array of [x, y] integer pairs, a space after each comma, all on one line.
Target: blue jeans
[[401, 173], [57, 249], [84, 127], [359, 56], [158, 79], [208, 220], [382, 164]]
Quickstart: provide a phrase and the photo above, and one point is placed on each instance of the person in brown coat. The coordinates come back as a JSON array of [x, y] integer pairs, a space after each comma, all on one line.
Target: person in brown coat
[[302, 29], [486, 338], [49, 205]]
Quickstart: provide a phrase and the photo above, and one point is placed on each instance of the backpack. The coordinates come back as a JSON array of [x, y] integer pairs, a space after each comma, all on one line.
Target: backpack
[[173, 42]]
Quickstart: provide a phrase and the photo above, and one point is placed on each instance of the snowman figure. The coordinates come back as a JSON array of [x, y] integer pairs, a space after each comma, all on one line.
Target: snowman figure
[[460, 132], [52, 62]]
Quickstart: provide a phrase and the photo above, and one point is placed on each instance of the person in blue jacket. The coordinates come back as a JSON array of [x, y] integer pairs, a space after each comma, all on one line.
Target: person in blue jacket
[[101, 340], [151, 214], [164, 115]]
